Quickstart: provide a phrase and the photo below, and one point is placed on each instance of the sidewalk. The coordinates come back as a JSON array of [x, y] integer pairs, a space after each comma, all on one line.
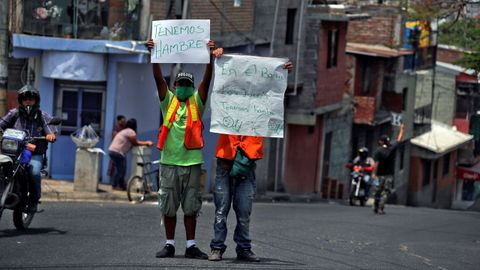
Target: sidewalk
[[61, 190]]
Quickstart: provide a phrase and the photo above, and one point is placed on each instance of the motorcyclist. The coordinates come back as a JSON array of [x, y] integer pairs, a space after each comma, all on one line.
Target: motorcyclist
[[366, 162], [30, 118]]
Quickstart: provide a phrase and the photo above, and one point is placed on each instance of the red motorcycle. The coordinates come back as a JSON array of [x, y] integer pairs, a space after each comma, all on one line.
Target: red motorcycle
[[359, 184]]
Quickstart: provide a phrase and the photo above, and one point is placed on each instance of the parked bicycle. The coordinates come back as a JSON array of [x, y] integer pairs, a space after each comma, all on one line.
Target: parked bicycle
[[140, 187]]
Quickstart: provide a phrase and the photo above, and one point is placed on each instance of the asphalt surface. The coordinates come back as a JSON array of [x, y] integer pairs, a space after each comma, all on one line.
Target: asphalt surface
[[105, 235]]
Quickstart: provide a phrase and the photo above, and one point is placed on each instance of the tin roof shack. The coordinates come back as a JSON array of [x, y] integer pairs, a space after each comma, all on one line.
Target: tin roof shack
[[433, 166]]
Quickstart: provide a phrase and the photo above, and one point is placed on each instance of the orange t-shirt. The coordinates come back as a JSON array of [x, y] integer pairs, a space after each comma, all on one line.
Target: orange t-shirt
[[227, 145]]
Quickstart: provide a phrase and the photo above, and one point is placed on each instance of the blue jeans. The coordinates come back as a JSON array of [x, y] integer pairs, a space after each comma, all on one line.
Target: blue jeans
[[121, 168], [36, 164], [241, 192]]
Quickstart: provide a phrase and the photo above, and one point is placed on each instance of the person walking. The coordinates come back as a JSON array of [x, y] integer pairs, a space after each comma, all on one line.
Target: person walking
[[180, 142], [119, 148], [384, 170], [235, 183]]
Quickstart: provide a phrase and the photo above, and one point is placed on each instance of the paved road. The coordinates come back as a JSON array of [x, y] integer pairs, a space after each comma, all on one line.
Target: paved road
[[286, 236]]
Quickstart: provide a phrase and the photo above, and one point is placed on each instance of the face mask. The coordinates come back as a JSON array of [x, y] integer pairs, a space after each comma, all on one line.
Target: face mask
[[184, 92]]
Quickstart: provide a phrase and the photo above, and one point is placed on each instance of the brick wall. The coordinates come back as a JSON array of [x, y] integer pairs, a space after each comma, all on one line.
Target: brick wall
[[448, 55], [240, 17], [331, 81], [159, 9], [379, 30], [302, 152]]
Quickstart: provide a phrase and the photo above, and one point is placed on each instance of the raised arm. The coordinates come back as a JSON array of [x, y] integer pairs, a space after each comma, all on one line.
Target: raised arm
[[162, 86], [207, 76], [400, 134]]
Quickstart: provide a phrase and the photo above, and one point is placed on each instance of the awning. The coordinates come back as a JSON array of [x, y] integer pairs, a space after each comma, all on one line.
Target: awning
[[376, 50], [469, 173], [441, 138]]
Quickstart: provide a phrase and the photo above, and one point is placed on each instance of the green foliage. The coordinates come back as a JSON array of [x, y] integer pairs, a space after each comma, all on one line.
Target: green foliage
[[464, 33]]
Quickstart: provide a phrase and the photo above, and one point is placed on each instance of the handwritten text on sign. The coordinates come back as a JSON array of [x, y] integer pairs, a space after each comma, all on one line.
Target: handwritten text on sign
[[247, 96], [180, 41]]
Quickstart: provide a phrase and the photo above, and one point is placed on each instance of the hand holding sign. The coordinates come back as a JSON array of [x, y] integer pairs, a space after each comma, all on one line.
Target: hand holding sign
[[180, 41]]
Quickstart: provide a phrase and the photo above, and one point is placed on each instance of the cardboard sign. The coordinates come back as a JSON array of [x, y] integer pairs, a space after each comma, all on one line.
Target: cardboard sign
[[247, 96], [180, 41]]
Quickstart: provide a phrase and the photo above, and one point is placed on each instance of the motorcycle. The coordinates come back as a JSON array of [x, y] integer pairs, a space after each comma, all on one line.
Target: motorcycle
[[16, 183], [359, 182]]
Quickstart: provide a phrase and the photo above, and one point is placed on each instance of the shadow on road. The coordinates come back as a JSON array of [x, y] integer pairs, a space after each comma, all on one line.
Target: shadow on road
[[32, 231], [264, 262]]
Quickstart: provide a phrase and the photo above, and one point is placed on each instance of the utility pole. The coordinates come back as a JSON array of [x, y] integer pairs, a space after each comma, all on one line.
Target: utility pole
[[177, 67], [4, 10]]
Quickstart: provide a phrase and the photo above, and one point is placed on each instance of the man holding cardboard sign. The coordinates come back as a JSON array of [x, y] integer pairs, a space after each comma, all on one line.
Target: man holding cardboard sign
[[180, 141], [235, 183]]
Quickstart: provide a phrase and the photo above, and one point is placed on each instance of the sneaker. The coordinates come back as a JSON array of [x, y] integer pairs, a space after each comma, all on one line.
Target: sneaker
[[216, 255], [381, 212], [247, 255], [194, 252], [168, 251]]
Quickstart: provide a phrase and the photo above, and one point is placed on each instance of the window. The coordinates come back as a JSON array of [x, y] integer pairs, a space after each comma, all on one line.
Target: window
[[291, 13], [89, 19], [80, 104], [367, 79], [332, 48], [446, 164]]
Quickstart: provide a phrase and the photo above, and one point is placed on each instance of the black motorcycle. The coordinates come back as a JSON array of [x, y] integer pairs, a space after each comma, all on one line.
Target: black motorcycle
[[358, 186], [16, 183]]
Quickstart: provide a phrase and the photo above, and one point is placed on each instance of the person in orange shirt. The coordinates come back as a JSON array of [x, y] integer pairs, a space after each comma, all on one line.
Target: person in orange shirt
[[235, 183]]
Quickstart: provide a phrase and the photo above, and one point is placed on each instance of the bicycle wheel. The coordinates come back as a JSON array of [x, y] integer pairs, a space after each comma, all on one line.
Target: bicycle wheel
[[136, 189]]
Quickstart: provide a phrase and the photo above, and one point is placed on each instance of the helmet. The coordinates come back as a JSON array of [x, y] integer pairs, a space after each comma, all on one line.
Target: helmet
[[28, 91], [384, 139], [363, 152]]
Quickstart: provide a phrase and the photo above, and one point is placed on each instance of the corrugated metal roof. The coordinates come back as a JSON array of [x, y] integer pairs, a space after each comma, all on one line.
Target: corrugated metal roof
[[441, 138], [375, 50]]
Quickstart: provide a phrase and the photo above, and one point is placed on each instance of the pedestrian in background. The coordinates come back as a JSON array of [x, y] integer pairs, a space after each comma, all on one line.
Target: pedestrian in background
[[119, 125], [384, 170], [235, 183], [119, 148], [180, 142]]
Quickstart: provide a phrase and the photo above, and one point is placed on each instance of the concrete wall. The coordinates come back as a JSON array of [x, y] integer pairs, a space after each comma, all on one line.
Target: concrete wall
[[444, 97], [340, 124], [423, 89]]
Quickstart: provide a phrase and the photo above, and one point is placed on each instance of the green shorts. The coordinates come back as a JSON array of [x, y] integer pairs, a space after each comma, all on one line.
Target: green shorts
[[180, 185]]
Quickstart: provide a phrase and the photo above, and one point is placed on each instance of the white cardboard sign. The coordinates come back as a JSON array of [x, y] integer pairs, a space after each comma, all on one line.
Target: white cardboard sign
[[247, 96], [180, 41]]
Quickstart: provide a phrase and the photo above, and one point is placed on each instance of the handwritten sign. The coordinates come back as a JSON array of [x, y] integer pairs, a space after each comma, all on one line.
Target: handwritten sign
[[180, 41], [247, 96]]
